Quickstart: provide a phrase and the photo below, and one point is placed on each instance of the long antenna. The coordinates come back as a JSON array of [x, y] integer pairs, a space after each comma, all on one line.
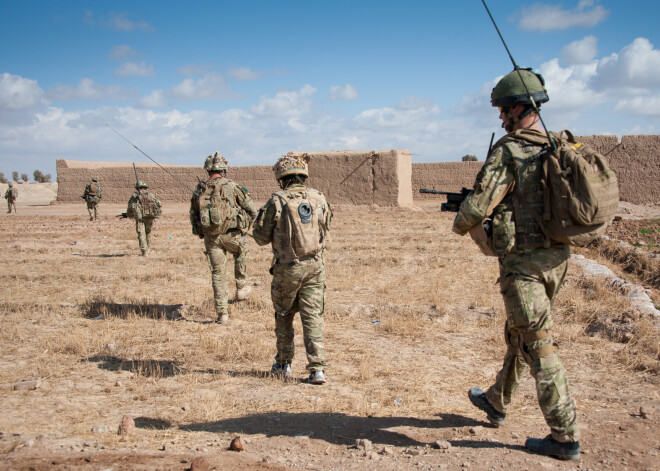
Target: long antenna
[[517, 69], [140, 151]]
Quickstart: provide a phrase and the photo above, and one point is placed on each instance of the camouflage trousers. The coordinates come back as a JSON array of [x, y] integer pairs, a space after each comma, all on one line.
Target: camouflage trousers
[[92, 210], [11, 204], [217, 247], [529, 283], [143, 229], [299, 287]]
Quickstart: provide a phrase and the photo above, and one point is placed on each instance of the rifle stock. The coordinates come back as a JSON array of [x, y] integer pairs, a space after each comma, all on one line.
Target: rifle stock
[[454, 200]]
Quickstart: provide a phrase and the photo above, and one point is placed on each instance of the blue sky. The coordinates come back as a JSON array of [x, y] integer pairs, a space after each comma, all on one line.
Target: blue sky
[[256, 79]]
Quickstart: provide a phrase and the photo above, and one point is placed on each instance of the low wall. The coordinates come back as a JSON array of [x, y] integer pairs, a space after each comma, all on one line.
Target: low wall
[[635, 159], [381, 177]]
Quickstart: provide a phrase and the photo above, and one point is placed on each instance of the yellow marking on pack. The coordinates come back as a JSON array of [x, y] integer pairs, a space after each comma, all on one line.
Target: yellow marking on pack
[[576, 145]]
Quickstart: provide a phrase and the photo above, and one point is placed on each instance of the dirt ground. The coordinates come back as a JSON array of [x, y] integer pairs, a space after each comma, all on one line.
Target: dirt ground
[[413, 320]]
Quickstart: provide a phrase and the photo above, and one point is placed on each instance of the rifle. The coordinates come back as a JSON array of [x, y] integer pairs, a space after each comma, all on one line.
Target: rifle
[[454, 200], [121, 216]]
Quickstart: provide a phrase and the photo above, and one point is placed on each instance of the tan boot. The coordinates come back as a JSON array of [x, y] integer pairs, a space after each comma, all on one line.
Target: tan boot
[[243, 293], [222, 318]]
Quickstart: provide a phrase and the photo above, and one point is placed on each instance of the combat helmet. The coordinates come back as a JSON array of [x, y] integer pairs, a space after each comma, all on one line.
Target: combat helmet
[[141, 184], [215, 163], [291, 164], [10, 184], [95, 179], [510, 90]]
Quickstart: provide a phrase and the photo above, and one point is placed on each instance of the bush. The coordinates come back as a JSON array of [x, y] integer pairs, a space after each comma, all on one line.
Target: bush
[[469, 158], [3, 179], [40, 177], [24, 177], [14, 175]]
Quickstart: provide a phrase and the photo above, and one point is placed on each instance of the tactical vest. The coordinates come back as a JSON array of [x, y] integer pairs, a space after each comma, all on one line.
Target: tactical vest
[[301, 216], [93, 189], [218, 211], [514, 225]]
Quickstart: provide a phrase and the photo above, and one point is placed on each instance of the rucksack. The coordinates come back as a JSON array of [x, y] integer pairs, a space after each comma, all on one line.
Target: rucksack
[[149, 205], [14, 193], [301, 215], [581, 193], [217, 208]]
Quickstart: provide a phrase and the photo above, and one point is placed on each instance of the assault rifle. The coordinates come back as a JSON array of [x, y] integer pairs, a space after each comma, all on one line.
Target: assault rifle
[[121, 216], [454, 200]]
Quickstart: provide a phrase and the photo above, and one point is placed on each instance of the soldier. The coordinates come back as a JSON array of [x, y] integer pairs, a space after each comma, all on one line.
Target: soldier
[[296, 221], [221, 213], [532, 269], [92, 196], [144, 207], [10, 195]]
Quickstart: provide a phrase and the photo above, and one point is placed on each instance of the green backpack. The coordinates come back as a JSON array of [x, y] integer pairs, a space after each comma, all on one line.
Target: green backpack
[[218, 212], [581, 194]]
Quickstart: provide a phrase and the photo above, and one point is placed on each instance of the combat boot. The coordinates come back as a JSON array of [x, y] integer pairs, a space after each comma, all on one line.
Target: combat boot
[[478, 398], [550, 447], [223, 318], [316, 377], [282, 370], [243, 293]]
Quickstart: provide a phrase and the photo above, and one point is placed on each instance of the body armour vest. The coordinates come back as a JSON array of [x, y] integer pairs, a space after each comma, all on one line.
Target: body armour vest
[[514, 225]]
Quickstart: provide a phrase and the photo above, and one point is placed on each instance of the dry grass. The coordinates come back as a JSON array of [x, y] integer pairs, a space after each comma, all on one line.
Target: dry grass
[[413, 314], [638, 262]]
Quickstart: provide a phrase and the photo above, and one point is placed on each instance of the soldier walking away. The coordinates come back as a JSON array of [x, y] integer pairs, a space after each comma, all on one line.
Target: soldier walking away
[[508, 190], [144, 207], [296, 221], [221, 213], [11, 195], [92, 196]]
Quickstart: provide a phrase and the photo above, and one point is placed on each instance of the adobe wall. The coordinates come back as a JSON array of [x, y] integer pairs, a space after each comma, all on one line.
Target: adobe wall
[[381, 177], [635, 159]]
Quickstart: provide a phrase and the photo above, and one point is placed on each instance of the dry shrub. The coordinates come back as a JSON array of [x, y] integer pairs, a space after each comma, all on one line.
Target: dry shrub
[[632, 260]]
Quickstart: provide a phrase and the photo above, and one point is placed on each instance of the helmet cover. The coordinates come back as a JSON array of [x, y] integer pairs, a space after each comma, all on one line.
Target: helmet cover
[[291, 164], [141, 184], [511, 91], [215, 162]]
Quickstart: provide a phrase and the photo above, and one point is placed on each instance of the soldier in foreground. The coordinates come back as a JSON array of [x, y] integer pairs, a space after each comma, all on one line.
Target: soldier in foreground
[[296, 221], [11, 195], [221, 213], [92, 196], [532, 270], [144, 207]]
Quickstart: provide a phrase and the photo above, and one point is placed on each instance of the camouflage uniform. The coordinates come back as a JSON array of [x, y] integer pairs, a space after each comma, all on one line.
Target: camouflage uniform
[[508, 189], [298, 283], [10, 195], [217, 245], [92, 196], [144, 207]]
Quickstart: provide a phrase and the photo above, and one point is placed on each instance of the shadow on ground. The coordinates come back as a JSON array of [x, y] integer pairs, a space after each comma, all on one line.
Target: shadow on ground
[[103, 309], [148, 368], [342, 429]]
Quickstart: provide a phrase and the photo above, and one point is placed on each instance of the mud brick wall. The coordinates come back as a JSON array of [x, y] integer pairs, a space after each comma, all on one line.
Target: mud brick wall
[[635, 159], [380, 177]]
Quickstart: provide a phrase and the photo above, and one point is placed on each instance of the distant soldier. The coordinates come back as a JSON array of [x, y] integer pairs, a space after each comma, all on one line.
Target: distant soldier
[[10, 195], [144, 207], [92, 196], [221, 213], [296, 221]]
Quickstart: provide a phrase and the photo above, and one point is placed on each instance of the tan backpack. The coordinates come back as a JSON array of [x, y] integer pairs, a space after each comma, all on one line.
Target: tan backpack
[[581, 194], [218, 212]]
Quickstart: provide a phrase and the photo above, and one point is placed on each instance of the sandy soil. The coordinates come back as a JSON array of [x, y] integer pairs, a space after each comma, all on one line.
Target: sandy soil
[[413, 321]]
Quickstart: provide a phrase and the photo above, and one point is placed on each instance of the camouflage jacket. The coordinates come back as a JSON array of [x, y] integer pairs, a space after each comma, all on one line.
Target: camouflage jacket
[[508, 185], [143, 205], [242, 200], [91, 195], [11, 194]]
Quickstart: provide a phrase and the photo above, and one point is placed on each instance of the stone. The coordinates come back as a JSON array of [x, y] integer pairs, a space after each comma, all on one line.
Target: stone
[[387, 451], [100, 429], [413, 451], [644, 412], [442, 445], [364, 444], [127, 426], [199, 464], [27, 384], [237, 444]]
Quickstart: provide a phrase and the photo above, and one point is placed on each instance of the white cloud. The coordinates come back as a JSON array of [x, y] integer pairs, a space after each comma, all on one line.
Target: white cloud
[[210, 86], [346, 93], [156, 99], [640, 106], [193, 69], [122, 52], [243, 74], [19, 93], [135, 69], [544, 17], [580, 52], [120, 22], [568, 88], [87, 89], [288, 103], [635, 66]]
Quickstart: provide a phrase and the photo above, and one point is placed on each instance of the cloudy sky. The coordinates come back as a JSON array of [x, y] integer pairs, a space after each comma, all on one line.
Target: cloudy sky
[[254, 79]]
